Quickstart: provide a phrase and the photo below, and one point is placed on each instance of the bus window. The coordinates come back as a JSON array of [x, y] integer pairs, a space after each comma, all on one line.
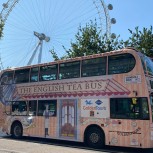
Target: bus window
[[143, 64], [69, 70], [145, 109], [47, 107], [120, 107], [48, 73], [149, 65], [22, 76], [32, 107], [115, 66], [7, 78], [19, 108], [93, 67], [129, 108], [34, 74], [151, 102]]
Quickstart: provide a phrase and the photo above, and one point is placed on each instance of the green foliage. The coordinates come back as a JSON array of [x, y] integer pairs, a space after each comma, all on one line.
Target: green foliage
[[141, 40], [55, 56], [1, 29], [88, 41]]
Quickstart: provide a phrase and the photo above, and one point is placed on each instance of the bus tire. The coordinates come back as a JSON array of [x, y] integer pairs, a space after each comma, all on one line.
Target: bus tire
[[17, 130], [95, 138]]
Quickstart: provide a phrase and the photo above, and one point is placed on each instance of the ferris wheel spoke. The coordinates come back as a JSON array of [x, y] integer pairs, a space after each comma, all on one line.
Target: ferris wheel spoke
[[52, 23]]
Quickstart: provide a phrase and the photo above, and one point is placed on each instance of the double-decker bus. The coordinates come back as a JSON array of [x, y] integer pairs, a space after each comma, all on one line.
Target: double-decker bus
[[101, 99]]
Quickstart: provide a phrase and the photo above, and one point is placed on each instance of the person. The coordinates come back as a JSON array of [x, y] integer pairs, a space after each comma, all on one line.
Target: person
[[46, 114]]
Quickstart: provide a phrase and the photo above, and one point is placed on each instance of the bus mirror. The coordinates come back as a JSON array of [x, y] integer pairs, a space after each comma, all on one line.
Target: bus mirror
[[134, 101]]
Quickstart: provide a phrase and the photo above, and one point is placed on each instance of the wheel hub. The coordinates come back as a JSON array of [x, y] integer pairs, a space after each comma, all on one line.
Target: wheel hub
[[17, 130], [94, 137]]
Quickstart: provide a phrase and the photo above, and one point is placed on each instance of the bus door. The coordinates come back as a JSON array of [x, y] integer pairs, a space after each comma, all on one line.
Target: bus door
[[68, 118], [130, 124]]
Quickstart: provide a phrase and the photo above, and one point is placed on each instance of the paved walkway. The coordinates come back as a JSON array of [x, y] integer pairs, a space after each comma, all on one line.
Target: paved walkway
[[15, 146]]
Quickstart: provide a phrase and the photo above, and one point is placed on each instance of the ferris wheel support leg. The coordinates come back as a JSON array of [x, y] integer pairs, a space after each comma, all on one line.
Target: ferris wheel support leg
[[40, 52], [33, 55]]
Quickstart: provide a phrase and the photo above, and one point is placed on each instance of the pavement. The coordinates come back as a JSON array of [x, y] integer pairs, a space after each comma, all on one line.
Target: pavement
[[8, 145]]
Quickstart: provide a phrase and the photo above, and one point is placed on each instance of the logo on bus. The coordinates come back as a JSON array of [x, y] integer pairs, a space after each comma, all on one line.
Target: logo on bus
[[88, 102], [93, 105], [97, 108], [98, 102]]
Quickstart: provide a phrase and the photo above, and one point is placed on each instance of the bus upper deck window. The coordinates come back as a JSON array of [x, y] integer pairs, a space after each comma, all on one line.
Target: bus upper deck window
[[7, 78]]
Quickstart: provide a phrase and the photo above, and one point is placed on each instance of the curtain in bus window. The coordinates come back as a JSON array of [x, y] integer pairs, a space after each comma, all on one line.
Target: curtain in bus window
[[93, 67], [115, 66]]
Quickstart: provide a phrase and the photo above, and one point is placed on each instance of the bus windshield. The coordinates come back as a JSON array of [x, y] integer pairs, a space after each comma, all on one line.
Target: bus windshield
[[147, 64]]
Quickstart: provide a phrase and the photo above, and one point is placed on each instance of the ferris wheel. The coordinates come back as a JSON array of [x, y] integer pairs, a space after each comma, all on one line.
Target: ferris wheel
[[34, 27]]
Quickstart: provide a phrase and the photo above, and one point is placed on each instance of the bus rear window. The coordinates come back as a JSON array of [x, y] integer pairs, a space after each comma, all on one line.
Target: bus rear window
[[122, 63]]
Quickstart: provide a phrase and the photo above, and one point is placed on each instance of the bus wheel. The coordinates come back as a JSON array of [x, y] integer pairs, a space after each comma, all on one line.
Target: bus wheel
[[95, 138], [17, 130]]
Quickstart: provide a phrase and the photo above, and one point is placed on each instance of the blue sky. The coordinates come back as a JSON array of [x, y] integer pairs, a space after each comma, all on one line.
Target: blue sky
[[59, 20], [131, 13]]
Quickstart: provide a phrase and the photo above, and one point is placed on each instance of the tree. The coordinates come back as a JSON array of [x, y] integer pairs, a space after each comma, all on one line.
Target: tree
[[1, 29], [141, 40], [88, 41]]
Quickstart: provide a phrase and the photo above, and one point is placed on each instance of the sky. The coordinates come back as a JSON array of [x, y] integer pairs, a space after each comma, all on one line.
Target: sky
[[131, 13], [59, 20]]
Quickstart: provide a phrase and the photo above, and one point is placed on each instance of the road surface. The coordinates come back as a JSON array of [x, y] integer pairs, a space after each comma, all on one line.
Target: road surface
[[37, 145]]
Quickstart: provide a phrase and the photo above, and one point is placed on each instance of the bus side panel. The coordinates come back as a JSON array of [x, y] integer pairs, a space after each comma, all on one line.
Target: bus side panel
[[3, 126], [129, 133]]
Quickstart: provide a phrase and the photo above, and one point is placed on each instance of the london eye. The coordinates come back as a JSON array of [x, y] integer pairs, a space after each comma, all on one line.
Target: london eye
[[33, 27]]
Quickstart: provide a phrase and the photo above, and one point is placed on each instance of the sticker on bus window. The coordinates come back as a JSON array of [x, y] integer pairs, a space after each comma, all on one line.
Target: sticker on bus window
[[134, 101], [132, 79]]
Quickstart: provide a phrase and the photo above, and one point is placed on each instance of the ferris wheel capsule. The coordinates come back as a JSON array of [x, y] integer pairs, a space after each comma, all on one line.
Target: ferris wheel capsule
[[110, 6]]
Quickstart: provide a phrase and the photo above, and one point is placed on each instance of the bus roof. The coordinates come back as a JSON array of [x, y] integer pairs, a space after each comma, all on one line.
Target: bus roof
[[124, 50]]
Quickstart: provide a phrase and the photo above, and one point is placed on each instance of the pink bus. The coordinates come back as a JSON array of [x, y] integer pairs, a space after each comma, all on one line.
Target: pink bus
[[101, 99]]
